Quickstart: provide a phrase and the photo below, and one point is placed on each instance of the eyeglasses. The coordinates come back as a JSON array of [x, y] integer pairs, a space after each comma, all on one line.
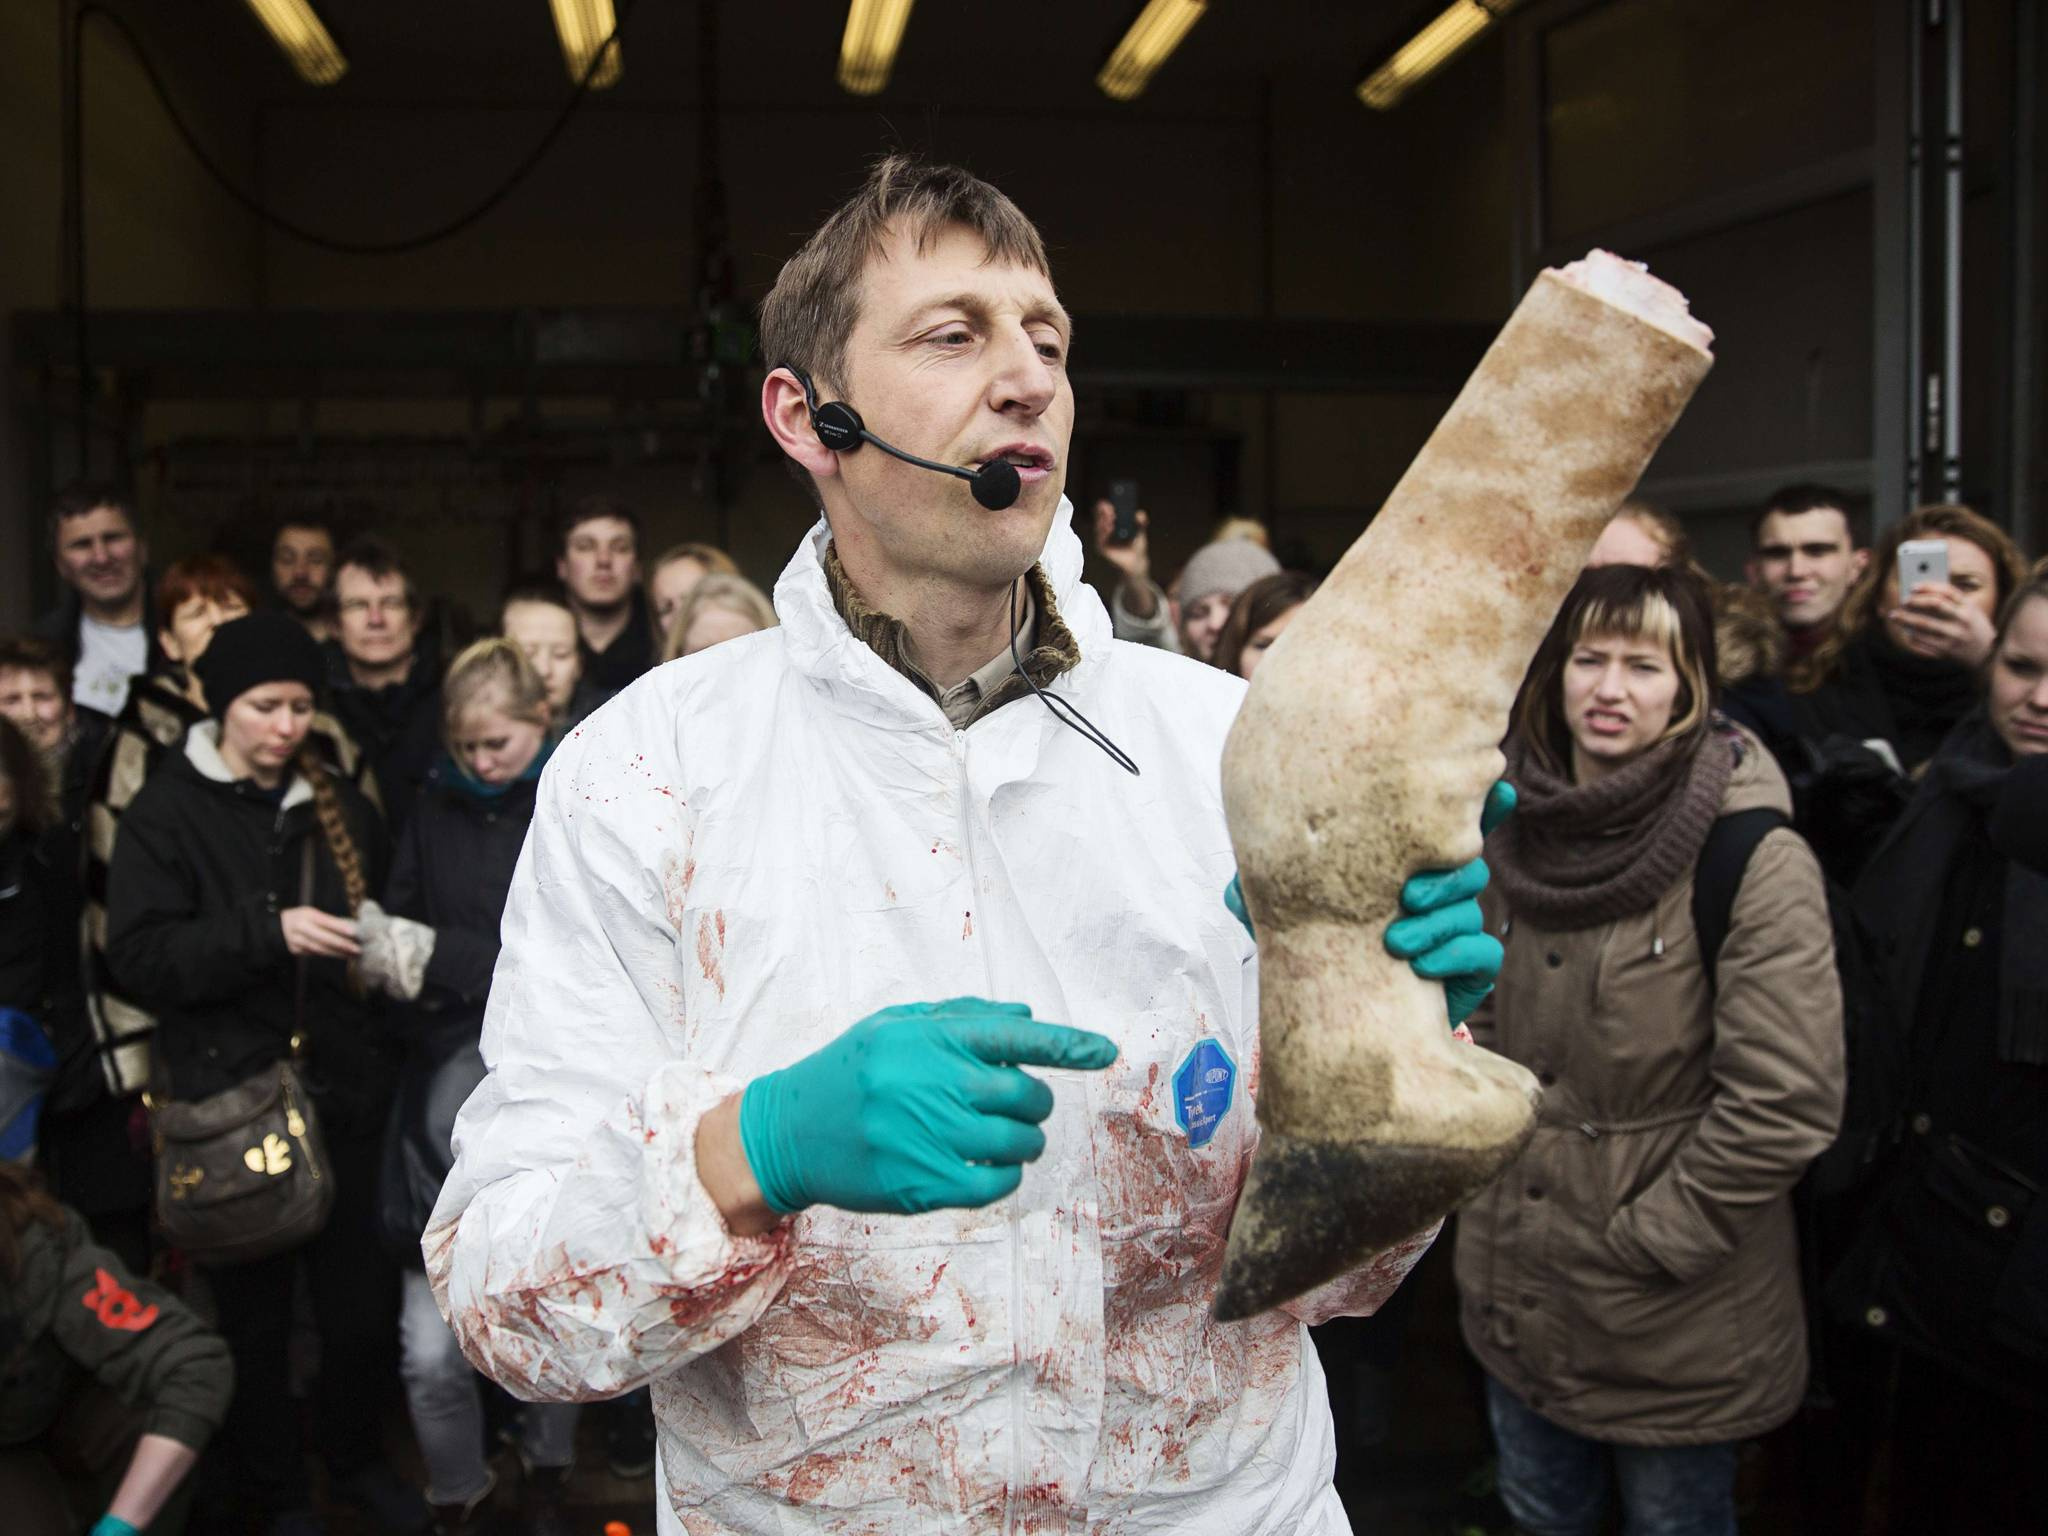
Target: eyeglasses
[[395, 607]]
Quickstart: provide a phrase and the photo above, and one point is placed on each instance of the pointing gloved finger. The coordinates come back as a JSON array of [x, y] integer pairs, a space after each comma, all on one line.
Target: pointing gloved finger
[[1475, 955], [993, 1139], [978, 1005], [1030, 1043], [1500, 804], [1007, 1091], [1442, 887], [1414, 936]]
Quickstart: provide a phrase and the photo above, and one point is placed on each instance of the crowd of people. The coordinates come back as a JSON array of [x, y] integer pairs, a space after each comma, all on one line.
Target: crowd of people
[[1774, 903]]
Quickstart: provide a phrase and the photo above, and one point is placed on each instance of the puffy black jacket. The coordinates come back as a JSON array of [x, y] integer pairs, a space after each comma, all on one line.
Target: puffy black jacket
[[1949, 1249], [452, 871], [202, 869]]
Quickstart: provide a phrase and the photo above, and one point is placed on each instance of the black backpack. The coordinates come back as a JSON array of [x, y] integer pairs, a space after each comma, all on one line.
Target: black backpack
[[1724, 860]]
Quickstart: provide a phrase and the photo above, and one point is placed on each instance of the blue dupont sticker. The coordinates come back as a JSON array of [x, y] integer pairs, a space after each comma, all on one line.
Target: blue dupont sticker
[[1202, 1087]]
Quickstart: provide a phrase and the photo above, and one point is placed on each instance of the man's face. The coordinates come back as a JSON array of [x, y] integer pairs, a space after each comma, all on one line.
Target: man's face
[[376, 625], [301, 566], [961, 360], [99, 555], [1804, 563], [31, 700], [600, 564]]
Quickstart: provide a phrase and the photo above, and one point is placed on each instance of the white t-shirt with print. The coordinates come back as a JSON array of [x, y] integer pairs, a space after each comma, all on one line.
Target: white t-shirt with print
[[108, 656]]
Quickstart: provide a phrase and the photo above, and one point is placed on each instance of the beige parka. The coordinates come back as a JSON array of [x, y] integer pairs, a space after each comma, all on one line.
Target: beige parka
[[1634, 1275]]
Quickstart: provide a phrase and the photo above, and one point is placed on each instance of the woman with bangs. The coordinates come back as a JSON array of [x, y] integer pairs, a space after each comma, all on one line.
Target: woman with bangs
[[1631, 1284]]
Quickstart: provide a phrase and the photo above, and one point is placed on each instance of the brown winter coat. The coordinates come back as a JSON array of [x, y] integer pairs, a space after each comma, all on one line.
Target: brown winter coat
[[1634, 1275]]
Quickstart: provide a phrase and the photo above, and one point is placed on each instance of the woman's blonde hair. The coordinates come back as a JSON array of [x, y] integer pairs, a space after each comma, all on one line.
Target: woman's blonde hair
[[1667, 606], [716, 562], [735, 594], [1945, 520], [495, 672]]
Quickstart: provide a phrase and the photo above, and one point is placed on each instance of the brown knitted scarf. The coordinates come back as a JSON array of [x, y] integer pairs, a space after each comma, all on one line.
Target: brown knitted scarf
[[1577, 855]]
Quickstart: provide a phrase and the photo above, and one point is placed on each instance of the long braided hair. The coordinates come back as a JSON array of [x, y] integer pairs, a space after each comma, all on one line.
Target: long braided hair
[[341, 843]]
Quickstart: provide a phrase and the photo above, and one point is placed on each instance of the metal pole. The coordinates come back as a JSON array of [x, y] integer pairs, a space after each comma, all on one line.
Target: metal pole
[[1952, 257], [2028, 338], [1923, 408], [72, 89]]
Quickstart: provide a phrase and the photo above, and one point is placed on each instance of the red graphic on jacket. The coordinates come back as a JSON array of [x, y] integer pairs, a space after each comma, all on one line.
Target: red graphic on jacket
[[116, 1307]]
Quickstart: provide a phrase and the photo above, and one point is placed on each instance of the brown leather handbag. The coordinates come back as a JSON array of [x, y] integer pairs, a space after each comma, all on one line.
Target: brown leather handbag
[[243, 1174]]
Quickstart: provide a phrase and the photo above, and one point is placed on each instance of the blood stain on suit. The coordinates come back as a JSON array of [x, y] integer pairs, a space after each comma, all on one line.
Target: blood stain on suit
[[711, 949]]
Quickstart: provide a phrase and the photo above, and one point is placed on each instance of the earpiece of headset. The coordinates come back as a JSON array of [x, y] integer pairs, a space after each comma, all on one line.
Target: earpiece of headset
[[837, 424]]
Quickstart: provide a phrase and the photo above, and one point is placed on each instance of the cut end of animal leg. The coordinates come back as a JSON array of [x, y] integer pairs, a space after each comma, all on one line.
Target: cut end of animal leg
[[1313, 1209]]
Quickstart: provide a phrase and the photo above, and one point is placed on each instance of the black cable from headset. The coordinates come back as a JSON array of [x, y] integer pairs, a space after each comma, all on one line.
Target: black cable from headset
[[1062, 711]]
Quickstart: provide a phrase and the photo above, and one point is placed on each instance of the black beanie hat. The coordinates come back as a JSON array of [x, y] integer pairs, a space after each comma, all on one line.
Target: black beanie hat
[[248, 652]]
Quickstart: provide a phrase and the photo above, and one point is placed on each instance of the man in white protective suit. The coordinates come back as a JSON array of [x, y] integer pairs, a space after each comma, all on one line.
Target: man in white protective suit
[[795, 916]]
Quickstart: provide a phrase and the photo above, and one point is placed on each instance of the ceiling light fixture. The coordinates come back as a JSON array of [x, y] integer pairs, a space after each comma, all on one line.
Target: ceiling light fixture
[[296, 28], [1429, 50], [584, 26], [1155, 34], [874, 31]]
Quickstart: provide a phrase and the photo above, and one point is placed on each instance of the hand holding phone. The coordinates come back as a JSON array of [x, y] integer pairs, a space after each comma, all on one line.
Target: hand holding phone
[[1123, 501]]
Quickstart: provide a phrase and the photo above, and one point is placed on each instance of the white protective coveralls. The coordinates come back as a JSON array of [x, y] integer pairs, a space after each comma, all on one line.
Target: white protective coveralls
[[734, 860]]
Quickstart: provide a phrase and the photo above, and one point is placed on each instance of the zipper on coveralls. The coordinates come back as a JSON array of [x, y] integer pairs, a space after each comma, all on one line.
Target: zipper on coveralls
[[1015, 1388]]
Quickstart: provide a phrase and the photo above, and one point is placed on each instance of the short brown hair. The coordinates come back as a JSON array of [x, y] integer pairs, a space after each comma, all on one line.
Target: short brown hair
[[21, 653], [1667, 604], [588, 509], [214, 576], [83, 496], [811, 311]]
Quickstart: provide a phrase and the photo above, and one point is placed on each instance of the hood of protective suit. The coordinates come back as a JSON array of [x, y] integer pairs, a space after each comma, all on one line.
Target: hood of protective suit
[[731, 863]]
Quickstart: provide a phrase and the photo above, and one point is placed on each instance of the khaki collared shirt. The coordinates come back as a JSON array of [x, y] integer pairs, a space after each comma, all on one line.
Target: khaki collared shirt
[[1047, 648]]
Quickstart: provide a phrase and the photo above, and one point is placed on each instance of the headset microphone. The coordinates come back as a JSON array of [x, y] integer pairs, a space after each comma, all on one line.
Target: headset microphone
[[996, 485]]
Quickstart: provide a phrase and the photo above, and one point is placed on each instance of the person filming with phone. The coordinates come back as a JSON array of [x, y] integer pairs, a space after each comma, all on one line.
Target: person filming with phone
[[1899, 672]]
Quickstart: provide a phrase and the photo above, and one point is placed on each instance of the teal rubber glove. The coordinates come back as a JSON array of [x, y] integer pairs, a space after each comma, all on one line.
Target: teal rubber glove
[[915, 1108], [113, 1525], [1443, 938]]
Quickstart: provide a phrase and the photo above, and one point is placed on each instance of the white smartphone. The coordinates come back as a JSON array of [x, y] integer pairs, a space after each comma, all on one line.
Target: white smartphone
[[1922, 563]]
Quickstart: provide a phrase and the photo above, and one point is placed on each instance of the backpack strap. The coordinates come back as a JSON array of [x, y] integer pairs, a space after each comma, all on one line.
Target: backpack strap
[[1724, 858]]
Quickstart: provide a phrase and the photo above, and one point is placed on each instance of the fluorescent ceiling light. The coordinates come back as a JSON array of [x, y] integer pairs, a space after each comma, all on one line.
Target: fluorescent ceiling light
[[298, 30], [583, 26], [1155, 34], [874, 31], [1429, 50]]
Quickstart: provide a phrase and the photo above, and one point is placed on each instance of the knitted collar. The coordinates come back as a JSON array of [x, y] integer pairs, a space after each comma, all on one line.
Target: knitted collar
[[1054, 649]]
